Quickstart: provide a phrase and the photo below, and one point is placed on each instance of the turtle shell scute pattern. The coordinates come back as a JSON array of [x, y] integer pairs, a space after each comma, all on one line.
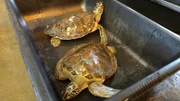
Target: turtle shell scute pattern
[[74, 27], [91, 61]]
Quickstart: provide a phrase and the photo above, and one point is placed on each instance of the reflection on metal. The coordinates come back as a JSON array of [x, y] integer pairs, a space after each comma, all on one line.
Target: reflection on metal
[[148, 82], [168, 5]]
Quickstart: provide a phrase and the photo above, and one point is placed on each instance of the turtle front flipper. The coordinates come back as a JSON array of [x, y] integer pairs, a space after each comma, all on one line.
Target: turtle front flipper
[[103, 35], [100, 90], [55, 41]]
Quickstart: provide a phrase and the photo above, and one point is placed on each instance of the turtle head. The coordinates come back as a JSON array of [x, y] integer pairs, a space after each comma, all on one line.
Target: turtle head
[[48, 30], [70, 91], [98, 10]]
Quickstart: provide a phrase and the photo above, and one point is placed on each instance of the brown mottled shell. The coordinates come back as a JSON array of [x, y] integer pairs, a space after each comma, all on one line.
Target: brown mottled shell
[[90, 60], [73, 27]]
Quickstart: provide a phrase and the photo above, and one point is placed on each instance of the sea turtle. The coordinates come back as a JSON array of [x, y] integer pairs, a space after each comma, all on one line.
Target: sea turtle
[[87, 66], [77, 26]]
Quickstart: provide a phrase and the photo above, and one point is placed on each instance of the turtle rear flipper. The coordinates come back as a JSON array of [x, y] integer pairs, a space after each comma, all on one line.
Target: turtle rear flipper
[[103, 35], [100, 90], [55, 41]]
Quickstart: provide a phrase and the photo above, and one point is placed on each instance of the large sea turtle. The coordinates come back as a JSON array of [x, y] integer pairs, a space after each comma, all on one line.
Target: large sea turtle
[[77, 26], [87, 66]]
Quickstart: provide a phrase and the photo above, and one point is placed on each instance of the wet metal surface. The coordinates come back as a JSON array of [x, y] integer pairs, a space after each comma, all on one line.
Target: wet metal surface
[[162, 15], [176, 2], [142, 46], [168, 90], [168, 5]]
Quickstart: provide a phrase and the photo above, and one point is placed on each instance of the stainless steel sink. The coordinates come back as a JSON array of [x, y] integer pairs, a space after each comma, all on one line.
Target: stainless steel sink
[[176, 2], [146, 52], [158, 13]]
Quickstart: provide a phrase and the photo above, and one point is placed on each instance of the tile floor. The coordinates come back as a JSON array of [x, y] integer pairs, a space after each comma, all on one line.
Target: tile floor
[[14, 80]]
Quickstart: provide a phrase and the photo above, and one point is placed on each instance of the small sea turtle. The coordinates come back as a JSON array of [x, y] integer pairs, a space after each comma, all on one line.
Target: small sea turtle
[[87, 66], [77, 26]]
